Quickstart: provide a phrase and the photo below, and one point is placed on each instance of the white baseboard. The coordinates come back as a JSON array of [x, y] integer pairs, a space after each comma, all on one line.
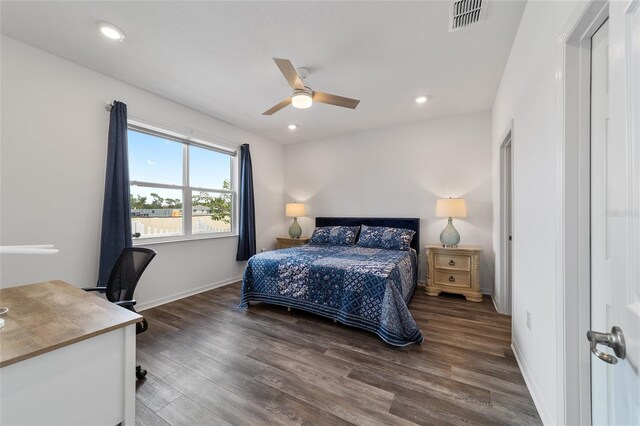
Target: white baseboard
[[543, 411], [493, 299], [186, 293]]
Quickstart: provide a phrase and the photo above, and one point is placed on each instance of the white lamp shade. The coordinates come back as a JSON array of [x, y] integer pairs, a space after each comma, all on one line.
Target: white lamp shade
[[451, 207], [294, 210]]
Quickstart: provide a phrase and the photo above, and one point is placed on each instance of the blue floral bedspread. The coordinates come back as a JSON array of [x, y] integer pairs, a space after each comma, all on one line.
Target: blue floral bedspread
[[363, 287]]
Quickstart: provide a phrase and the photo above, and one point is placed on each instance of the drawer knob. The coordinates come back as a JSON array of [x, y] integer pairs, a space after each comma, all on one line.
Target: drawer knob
[[452, 263], [451, 279]]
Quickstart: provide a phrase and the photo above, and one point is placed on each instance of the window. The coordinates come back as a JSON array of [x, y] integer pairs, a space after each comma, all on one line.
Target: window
[[179, 187]]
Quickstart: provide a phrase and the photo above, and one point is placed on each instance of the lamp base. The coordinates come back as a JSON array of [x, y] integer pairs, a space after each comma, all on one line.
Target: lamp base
[[449, 237], [295, 231]]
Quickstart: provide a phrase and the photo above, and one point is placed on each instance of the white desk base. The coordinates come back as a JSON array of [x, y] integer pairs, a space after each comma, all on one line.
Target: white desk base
[[91, 382]]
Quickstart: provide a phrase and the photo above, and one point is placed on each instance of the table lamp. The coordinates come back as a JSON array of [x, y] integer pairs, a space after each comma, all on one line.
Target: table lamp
[[450, 208], [295, 210]]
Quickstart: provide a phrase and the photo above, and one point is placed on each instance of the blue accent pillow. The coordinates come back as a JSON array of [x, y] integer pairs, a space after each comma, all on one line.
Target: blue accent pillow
[[382, 237], [334, 236]]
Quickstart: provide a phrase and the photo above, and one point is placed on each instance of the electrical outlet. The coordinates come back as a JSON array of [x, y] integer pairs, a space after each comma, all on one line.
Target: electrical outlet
[[529, 320]]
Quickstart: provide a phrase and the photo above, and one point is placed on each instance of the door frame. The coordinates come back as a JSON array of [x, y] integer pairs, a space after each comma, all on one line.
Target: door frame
[[505, 266], [573, 253]]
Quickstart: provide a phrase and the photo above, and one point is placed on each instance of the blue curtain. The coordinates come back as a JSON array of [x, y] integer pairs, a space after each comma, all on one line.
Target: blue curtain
[[247, 222], [116, 220]]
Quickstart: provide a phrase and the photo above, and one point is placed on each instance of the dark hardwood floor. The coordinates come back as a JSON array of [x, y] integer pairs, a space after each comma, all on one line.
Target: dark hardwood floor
[[211, 364]]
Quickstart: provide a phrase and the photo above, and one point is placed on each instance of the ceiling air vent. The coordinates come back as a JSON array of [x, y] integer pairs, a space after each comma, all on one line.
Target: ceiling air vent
[[466, 12]]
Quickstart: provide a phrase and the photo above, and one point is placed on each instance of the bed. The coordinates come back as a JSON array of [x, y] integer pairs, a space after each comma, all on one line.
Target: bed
[[368, 288]]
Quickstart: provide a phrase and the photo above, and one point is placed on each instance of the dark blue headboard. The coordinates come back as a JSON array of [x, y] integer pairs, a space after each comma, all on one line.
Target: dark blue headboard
[[392, 222]]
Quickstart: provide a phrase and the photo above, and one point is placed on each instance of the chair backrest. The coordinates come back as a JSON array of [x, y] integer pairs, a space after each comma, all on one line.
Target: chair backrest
[[127, 272]]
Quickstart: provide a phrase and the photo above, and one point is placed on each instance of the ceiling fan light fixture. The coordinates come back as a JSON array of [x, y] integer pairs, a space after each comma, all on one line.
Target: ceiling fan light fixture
[[302, 99]]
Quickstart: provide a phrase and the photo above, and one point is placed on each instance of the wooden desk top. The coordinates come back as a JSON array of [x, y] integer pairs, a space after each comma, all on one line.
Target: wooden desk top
[[47, 316]]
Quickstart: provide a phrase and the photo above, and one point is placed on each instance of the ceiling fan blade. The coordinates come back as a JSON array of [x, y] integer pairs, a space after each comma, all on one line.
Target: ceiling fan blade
[[289, 72], [277, 107], [326, 98]]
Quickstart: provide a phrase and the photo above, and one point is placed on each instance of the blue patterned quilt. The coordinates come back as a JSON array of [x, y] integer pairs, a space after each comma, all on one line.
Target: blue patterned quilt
[[363, 287]]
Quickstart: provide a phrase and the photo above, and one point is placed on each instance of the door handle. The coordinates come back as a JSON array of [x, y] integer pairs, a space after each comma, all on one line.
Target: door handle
[[452, 263], [615, 340]]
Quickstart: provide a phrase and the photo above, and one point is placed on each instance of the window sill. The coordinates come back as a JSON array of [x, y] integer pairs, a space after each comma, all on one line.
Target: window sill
[[179, 239]]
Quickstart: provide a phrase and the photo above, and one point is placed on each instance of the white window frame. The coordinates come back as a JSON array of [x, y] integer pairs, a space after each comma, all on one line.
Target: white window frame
[[186, 188]]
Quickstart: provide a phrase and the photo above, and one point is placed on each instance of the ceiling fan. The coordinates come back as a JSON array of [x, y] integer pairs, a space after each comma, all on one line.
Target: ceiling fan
[[303, 97]]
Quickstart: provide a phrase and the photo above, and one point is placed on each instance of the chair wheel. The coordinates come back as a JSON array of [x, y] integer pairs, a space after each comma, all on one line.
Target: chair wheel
[[140, 373]]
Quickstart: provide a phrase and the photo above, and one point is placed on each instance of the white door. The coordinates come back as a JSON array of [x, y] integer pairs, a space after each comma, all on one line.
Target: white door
[[615, 222], [600, 235], [509, 223]]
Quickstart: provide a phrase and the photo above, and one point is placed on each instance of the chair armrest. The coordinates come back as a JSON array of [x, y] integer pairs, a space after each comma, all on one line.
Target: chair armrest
[[101, 289], [126, 303]]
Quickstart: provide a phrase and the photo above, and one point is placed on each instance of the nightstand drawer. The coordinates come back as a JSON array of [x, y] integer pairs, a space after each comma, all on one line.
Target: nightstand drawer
[[287, 245], [453, 261], [287, 242], [453, 278]]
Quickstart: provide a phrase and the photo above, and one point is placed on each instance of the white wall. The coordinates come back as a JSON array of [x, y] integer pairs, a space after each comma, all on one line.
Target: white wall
[[528, 95], [53, 155], [400, 171]]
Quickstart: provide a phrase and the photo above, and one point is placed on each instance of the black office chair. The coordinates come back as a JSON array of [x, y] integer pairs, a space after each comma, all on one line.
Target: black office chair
[[122, 283]]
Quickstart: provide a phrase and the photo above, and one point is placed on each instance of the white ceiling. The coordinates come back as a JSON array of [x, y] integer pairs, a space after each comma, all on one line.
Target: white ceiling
[[216, 56]]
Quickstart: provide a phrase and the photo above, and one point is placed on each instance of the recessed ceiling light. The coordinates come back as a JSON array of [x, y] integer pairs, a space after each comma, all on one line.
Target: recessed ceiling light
[[292, 127], [421, 99], [111, 31]]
